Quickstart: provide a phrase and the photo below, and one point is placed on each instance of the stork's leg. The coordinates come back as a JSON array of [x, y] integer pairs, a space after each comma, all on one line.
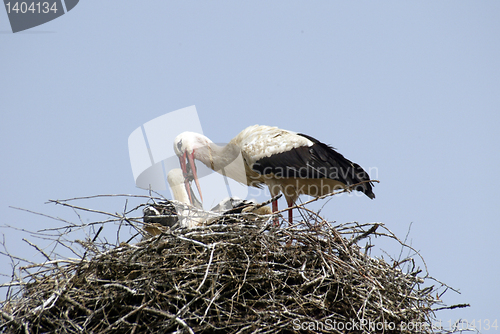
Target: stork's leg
[[290, 203], [290, 211], [275, 209], [275, 205]]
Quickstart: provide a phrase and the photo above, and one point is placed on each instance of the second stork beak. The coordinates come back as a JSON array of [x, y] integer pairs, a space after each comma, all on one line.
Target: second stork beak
[[188, 165]]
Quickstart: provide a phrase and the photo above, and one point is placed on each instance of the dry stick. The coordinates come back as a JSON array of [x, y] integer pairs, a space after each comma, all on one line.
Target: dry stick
[[77, 304], [18, 258], [170, 316], [11, 319], [39, 265], [193, 241], [301, 206], [451, 307], [93, 241], [43, 215], [77, 226], [363, 235], [117, 216], [16, 283], [246, 272], [126, 288], [208, 268], [275, 198], [61, 202], [134, 311], [38, 249], [337, 234], [105, 195], [393, 236], [56, 294], [136, 324]]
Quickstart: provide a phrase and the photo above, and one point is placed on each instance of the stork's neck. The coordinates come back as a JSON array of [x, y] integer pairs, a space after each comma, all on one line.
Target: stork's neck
[[226, 160], [217, 157]]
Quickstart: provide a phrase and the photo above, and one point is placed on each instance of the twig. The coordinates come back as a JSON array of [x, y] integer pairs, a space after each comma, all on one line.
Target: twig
[[451, 307], [363, 235], [208, 267]]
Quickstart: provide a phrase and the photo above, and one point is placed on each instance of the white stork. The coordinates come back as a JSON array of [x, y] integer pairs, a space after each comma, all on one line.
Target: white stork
[[286, 161], [181, 189], [183, 210], [187, 210]]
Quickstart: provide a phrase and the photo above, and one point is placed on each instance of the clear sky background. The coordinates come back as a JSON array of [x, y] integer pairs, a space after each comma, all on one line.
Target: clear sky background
[[411, 90]]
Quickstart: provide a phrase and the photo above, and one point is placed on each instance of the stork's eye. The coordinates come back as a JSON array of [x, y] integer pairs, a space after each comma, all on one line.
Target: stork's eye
[[179, 145]]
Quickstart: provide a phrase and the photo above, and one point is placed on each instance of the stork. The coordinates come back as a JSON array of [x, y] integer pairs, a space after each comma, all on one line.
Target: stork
[[182, 210], [287, 162], [181, 188], [229, 205], [187, 210]]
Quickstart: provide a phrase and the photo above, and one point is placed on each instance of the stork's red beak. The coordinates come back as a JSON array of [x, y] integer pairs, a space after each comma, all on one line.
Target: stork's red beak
[[189, 170]]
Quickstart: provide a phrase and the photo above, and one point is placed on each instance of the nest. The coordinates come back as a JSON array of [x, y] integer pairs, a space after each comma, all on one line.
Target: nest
[[241, 274]]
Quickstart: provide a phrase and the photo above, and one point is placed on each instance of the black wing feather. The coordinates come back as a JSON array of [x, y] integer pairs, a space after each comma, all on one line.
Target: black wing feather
[[316, 161]]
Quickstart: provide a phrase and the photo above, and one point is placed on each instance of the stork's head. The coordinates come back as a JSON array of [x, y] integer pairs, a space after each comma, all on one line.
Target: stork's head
[[189, 146]]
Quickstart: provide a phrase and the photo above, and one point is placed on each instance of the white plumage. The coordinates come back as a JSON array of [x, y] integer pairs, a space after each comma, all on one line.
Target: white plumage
[[181, 189], [285, 161], [185, 210], [259, 141]]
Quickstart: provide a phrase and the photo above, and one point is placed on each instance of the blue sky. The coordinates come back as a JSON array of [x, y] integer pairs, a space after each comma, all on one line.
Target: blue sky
[[408, 89]]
